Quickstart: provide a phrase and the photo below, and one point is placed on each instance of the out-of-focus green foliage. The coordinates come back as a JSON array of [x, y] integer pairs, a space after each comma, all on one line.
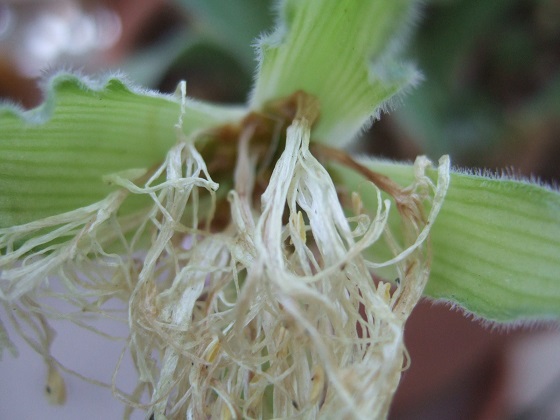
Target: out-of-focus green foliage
[[233, 24], [487, 66], [219, 38]]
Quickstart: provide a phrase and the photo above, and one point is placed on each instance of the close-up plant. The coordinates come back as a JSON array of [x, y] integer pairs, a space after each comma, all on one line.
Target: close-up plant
[[262, 268]]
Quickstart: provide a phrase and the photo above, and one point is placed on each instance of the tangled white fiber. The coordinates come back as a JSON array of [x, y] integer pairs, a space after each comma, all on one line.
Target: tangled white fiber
[[278, 314]]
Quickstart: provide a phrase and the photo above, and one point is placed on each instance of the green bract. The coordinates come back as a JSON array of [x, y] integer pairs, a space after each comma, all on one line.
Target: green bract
[[343, 53], [495, 244], [53, 158]]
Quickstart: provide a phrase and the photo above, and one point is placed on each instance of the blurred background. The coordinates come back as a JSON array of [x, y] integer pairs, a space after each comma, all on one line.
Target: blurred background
[[490, 99]]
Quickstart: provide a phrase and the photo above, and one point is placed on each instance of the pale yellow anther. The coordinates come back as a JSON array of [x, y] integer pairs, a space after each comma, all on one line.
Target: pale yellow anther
[[318, 380], [226, 413], [254, 388], [212, 351], [301, 227], [384, 290], [357, 204], [55, 388]]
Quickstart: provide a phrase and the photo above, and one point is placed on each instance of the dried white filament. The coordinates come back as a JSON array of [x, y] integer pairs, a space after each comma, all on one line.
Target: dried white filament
[[277, 315]]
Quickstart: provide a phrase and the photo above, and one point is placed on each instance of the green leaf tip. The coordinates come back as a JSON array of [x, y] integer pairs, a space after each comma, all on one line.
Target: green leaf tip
[[497, 249], [495, 244], [53, 158], [343, 53]]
